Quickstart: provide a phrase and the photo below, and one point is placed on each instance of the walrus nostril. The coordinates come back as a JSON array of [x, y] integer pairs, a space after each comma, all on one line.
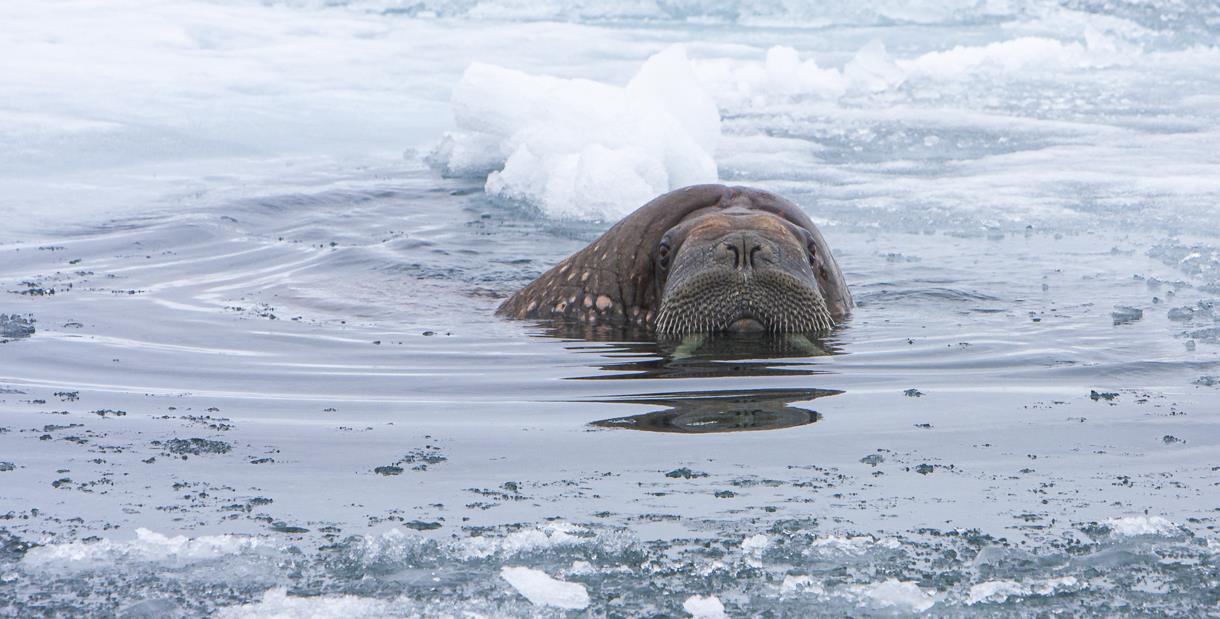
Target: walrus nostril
[[730, 252], [742, 251]]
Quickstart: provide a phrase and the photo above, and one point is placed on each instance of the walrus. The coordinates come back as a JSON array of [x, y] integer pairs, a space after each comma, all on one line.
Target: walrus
[[701, 259]]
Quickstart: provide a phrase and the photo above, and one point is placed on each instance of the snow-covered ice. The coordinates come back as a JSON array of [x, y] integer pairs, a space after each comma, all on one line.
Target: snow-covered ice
[[578, 148], [543, 590], [148, 546], [999, 591], [1140, 525], [903, 596], [277, 603], [701, 607]]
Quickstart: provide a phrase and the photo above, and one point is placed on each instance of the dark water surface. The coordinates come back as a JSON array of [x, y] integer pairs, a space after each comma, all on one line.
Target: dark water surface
[[313, 391]]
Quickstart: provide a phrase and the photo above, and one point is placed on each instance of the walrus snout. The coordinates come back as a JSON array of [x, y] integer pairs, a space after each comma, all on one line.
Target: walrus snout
[[717, 299], [745, 251], [741, 273]]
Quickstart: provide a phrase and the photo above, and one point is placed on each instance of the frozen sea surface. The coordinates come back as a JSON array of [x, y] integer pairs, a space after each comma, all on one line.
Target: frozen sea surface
[[248, 364]]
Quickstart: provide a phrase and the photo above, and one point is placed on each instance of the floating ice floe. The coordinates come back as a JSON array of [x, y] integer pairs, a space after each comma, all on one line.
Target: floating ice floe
[[550, 535], [1129, 526], [801, 584], [397, 545], [852, 544], [893, 594], [755, 543], [890, 594], [701, 607], [784, 75], [998, 591], [277, 604], [542, 590], [578, 148], [147, 546], [1024, 54]]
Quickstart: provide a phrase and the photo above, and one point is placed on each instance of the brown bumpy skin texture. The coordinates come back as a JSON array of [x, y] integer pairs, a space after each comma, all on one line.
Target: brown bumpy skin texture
[[613, 280]]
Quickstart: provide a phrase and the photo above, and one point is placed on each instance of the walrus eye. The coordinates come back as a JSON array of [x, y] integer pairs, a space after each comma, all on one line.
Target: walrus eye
[[813, 252], [663, 255]]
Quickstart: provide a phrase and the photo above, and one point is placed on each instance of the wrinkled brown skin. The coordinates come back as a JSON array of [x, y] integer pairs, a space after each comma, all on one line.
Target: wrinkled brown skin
[[615, 279]]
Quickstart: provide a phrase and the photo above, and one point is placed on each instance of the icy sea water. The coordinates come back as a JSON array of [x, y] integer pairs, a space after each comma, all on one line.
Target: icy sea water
[[276, 388]]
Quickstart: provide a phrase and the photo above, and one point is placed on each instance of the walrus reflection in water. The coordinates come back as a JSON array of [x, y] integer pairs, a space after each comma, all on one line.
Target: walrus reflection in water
[[702, 259], [720, 411]]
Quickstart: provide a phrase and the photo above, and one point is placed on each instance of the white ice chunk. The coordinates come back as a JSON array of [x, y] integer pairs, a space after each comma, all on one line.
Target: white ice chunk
[[701, 607], [1128, 526], [783, 75], [873, 70], [895, 594], [891, 594], [995, 591], [147, 546], [852, 544], [786, 72], [277, 604], [801, 584], [755, 543], [542, 590], [578, 148], [1022, 54], [666, 90], [582, 567], [549, 535], [998, 591]]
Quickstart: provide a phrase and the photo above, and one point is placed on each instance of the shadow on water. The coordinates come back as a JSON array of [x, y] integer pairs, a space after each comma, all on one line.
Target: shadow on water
[[635, 355]]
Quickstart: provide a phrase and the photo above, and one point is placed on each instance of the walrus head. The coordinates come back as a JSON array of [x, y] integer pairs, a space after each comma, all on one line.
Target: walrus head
[[739, 270], [702, 259]]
